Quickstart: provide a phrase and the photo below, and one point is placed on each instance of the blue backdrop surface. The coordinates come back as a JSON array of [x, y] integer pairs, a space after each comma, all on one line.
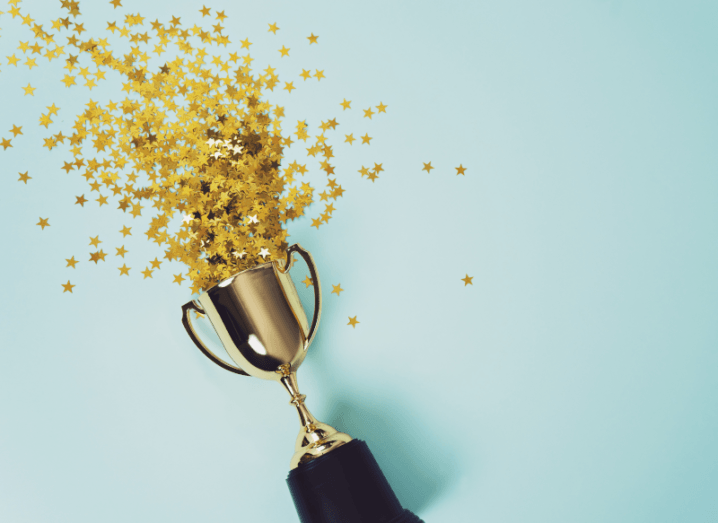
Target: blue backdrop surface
[[574, 379]]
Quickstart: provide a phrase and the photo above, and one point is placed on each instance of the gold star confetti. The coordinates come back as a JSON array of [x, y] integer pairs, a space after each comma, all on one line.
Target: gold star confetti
[[427, 167], [126, 231], [336, 289], [156, 263], [43, 223], [353, 322], [24, 177], [147, 273], [368, 113], [193, 136], [71, 262], [467, 280], [460, 170], [178, 279], [95, 242], [307, 281], [67, 287], [121, 251], [124, 270], [381, 108]]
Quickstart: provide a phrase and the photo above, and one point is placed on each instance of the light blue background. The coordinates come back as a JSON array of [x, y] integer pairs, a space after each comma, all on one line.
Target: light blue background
[[575, 381]]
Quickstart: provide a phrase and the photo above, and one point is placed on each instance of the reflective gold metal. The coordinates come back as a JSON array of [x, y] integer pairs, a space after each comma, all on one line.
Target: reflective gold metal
[[263, 327]]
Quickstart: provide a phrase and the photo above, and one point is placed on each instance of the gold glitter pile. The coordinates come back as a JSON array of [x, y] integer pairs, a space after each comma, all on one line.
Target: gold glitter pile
[[199, 134]]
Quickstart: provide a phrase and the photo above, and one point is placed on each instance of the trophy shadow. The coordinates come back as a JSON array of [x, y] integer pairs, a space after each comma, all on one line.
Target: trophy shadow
[[417, 469]]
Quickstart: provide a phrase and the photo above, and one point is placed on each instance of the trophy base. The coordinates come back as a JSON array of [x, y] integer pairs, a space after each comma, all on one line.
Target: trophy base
[[345, 485]]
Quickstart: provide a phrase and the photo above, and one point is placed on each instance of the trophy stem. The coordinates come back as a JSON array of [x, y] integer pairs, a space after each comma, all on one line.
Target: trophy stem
[[306, 419], [315, 438]]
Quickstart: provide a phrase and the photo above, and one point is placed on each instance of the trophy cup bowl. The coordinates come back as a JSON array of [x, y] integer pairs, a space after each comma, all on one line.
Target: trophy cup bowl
[[263, 327]]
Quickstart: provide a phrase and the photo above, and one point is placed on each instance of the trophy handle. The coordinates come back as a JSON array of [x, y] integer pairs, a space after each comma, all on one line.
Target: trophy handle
[[315, 280], [186, 308]]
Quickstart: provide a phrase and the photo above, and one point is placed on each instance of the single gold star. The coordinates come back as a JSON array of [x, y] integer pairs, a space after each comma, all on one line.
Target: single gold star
[[307, 281], [368, 113], [5, 143], [346, 104], [94, 256], [306, 74], [101, 255], [81, 200], [319, 74], [178, 279], [273, 28], [126, 231], [95, 242], [68, 287], [205, 11], [427, 167], [460, 170], [221, 16], [29, 90], [289, 86], [353, 321], [467, 280], [116, 3], [24, 177], [312, 39], [147, 273], [366, 139], [71, 262], [124, 270], [16, 130], [43, 223], [156, 263], [121, 251], [284, 51], [381, 108], [336, 289]]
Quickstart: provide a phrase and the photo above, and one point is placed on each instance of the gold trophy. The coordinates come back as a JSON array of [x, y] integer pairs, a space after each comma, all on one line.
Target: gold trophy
[[263, 327]]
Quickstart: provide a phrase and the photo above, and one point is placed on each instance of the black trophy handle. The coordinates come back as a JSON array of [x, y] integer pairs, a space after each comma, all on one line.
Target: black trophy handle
[[190, 306], [345, 485], [315, 280]]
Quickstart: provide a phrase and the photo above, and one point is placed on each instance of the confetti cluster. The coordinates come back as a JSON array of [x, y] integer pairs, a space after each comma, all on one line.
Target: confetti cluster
[[194, 138]]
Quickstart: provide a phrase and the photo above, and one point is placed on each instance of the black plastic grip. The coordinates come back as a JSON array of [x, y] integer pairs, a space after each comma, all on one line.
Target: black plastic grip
[[345, 485]]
